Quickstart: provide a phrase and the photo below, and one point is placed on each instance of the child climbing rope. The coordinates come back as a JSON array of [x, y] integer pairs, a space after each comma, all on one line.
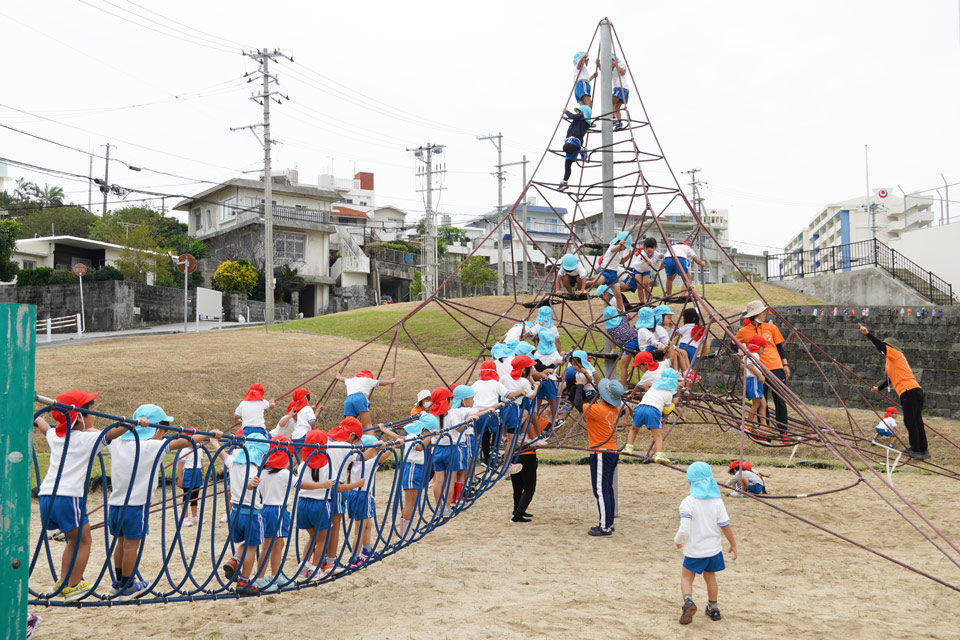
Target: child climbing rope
[[643, 264], [620, 93], [357, 403], [581, 90], [672, 268], [572, 274], [703, 518], [656, 403], [574, 145], [612, 263]]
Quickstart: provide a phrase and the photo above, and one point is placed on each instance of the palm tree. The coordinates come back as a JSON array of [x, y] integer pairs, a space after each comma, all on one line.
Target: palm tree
[[25, 190], [48, 196]]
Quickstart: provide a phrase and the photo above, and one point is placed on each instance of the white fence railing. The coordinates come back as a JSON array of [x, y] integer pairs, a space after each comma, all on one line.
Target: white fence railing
[[48, 325]]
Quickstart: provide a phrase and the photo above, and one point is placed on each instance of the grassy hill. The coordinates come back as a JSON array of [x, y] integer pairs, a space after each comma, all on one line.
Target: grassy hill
[[439, 327]]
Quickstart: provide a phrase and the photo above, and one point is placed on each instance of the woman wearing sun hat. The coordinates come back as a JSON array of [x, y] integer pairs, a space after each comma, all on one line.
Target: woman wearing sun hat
[[774, 356]]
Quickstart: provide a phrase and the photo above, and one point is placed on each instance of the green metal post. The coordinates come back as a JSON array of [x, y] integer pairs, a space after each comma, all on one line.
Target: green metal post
[[18, 334]]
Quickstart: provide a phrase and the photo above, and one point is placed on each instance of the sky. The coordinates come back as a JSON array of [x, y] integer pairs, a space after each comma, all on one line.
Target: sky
[[773, 101]]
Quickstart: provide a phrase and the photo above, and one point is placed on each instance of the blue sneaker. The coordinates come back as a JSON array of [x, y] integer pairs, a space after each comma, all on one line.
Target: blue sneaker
[[134, 589]]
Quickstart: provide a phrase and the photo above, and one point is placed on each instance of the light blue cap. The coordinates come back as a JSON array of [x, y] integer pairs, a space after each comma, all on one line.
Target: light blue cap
[[667, 381], [500, 350], [426, 422], [368, 440], [254, 449], [545, 317], [612, 317], [152, 413], [623, 236], [702, 483], [586, 111], [645, 319], [547, 343], [511, 346], [569, 262], [662, 310], [602, 289], [523, 349], [583, 358], [577, 56], [461, 393]]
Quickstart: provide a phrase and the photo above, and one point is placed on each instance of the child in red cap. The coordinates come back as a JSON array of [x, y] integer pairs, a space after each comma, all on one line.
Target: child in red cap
[[340, 438], [275, 483], [249, 413], [357, 403], [73, 443], [489, 393], [753, 390]]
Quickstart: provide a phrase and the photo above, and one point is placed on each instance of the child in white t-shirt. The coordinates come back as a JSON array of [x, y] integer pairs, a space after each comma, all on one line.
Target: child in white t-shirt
[[72, 443], [745, 479], [357, 402], [298, 420], [276, 480], [361, 502], [249, 413], [128, 506], [887, 427], [643, 265], [413, 478], [753, 374], [462, 409], [489, 392], [703, 519], [672, 268], [655, 403], [613, 263]]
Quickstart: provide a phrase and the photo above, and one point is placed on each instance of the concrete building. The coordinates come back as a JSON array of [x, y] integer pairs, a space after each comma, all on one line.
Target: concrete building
[[359, 212], [677, 228], [65, 252], [229, 218], [933, 248], [849, 221], [543, 224]]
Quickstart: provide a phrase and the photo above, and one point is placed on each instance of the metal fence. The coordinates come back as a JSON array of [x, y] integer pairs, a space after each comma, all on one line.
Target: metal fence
[[855, 255]]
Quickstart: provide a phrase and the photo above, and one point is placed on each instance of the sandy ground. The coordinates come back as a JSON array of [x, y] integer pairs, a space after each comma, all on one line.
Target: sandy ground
[[481, 576]]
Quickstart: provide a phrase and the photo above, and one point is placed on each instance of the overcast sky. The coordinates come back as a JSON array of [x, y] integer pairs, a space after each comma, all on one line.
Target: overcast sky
[[774, 101]]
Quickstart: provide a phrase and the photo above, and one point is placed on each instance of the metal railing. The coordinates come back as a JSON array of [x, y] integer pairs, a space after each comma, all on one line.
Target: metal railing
[[49, 325], [855, 255], [384, 254]]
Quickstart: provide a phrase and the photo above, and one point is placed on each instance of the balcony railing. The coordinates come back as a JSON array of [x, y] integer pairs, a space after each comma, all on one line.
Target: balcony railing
[[866, 253]]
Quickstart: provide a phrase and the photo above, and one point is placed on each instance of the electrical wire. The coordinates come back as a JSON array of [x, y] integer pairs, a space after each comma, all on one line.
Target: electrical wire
[[227, 41]]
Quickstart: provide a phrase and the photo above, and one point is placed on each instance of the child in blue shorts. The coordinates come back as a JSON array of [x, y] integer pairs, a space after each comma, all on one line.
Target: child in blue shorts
[[357, 403], [672, 268], [753, 391], [657, 402], [620, 92], [703, 518], [313, 504], [574, 145], [128, 506], [249, 413], [612, 263], [416, 442], [73, 443], [581, 90], [361, 503], [275, 484]]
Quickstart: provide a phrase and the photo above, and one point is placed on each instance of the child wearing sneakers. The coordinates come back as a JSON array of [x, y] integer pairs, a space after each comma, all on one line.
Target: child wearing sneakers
[[313, 505], [643, 264], [620, 93], [361, 502], [73, 443], [134, 457], [275, 483], [413, 479], [463, 408], [190, 480], [249, 413], [656, 403], [571, 274], [357, 402], [753, 392], [574, 144], [672, 268], [703, 518], [348, 432], [246, 522]]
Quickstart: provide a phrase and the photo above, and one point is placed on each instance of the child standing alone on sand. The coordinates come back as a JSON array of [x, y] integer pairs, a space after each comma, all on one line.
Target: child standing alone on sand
[[703, 517]]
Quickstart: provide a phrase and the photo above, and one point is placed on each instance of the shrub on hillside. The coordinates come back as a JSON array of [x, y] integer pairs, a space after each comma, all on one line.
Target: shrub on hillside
[[44, 276], [240, 276]]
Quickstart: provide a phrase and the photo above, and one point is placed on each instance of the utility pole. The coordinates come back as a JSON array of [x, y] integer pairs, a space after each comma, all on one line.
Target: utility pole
[[90, 186], [698, 206], [946, 188], [263, 57], [106, 179], [430, 263], [523, 224], [869, 206], [499, 173]]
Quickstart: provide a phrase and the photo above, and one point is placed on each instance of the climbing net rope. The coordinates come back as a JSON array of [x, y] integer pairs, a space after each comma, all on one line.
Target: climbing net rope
[[644, 183]]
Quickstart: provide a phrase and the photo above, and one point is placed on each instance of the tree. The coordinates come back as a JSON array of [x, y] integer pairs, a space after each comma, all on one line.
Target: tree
[[476, 272], [24, 190], [63, 221], [141, 255], [416, 286], [9, 229], [446, 235], [117, 225], [47, 195], [182, 243], [240, 276]]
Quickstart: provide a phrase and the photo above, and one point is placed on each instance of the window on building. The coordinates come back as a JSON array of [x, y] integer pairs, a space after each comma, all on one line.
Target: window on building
[[209, 217], [228, 208], [252, 202], [289, 246], [29, 264], [75, 261], [197, 218]]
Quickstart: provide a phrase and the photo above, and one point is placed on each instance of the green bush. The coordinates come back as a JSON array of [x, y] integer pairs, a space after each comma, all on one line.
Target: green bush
[[105, 272], [44, 276]]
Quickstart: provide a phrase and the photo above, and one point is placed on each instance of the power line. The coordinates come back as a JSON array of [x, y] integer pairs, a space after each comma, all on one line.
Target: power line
[[210, 35]]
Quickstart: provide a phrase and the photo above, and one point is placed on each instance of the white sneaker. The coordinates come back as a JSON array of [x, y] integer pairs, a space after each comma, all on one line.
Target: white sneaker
[[187, 522], [196, 520], [514, 468]]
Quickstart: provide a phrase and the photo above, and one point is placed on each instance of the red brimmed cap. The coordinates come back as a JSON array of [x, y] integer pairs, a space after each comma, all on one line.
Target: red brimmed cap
[[890, 412], [347, 426], [518, 364], [319, 459], [72, 398], [758, 340], [280, 455], [299, 400], [255, 392], [736, 465], [364, 373], [645, 357], [440, 397], [488, 370]]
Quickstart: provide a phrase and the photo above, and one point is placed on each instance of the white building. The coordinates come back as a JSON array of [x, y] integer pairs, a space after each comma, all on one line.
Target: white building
[[849, 221], [542, 225], [365, 221], [65, 252]]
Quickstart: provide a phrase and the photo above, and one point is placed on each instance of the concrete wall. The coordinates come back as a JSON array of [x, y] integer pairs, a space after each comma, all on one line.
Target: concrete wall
[[934, 248], [863, 287], [931, 345], [347, 298]]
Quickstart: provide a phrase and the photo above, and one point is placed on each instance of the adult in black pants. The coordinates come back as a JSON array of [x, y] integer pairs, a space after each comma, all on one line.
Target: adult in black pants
[[900, 376], [524, 484], [774, 357]]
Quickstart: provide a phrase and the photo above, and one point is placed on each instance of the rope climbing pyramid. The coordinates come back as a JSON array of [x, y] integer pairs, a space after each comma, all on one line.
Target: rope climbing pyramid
[[578, 324]]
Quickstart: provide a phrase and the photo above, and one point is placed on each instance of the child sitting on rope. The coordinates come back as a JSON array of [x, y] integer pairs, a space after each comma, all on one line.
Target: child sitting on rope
[[745, 479], [753, 374], [602, 416], [357, 402], [665, 330], [656, 403], [128, 517], [672, 268], [572, 274], [691, 334], [703, 518], [644, 263], [574, 143], [249, 413], [72, 443]]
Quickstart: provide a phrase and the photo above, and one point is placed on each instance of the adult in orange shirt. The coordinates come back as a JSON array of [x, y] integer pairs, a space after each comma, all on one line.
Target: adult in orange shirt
[[774, 357], [602, 416], [908, 389]]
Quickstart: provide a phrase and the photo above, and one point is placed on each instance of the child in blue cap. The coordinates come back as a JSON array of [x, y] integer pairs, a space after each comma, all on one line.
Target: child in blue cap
[[703, 518], [581, 90], [128, 506], [574, 144], [547, 358], [657, 401], [571, 274], [416, 443]]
